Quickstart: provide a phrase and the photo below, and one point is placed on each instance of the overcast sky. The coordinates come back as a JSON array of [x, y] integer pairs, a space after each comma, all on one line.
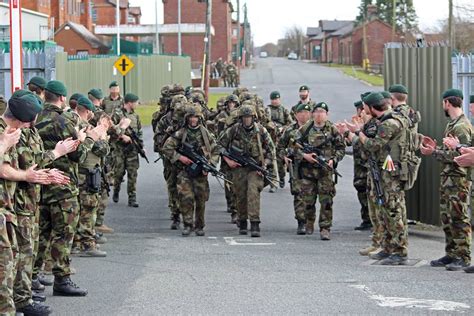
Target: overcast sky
[[270, 18]]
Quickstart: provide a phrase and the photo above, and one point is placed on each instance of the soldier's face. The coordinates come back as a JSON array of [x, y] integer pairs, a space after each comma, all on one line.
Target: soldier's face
[[276, 101], [247, 121], [231, 106], [304, 95], [320, 116], [114, 91], [359, 111], [303, 116], [446, 108], [193, 121]]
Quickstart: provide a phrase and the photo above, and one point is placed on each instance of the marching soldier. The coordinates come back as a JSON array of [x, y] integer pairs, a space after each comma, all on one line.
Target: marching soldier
[[126, 155], [281, 118], [113, 100], [193, 186], [455, 184], [304, 99], [285, 153], [316, 178], [252, 140]]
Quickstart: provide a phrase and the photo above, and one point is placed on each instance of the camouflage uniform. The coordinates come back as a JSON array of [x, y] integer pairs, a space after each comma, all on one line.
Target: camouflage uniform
[[193, 191], [109, 105], [89, 198], [315, 181], [8, 241], [454, 192], [126, 155], [360, 181], [257, 143], [59, 209], [391, 132], [27, 197], [282, 119], [293, 108], [284, 146]]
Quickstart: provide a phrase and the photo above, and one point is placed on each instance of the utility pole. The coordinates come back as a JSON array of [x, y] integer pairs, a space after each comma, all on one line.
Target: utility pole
[[207, 50], [364, 42], [157, 36], [394, 4], [238, 37], [117, 21], [179, 28], [450, 25]]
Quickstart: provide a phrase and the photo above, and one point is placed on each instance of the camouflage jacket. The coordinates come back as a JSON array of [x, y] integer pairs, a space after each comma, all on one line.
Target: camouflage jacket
[[293, 108], [7, 188], [462, 129], [166, 127], [195, 137], [287, 140], [279, 115], [30, 152], [53, 126], [99, 150], [327, 139], [135, 125], [248, 140], [414, 118], [221, 121], [109, 105]]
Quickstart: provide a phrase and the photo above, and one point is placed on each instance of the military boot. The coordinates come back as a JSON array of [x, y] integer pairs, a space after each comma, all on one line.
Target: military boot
[[36, 285], [469, 269], [309, 228], [366, 251], [457, 265], [63, 286], [301, 230], [93, 252], [234, 218], [441, 262], [243, 227], [104, 229], [200, 232], [175, 222], [394, 260], [100, 238], [115, 196], [379, 255], [324, 234], [44, 280], [272, 189], [35, 308], [133, 203], [254, 229], [38, 297], [186, 231], [364, 226]]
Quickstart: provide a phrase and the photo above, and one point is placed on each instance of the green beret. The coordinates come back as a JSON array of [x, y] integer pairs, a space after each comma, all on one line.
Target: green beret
[[303, 107], [21, 92], [373, 98], [24, 108], [96, 93], [130, 97], [398, 88], [358, 104], [322, 105], [363, 95], [56, 87], [38, 81], [452, 93], [386, 94], [33, 99], [85, 102], [75, 96], [274, 95], [304, 88], [471, 99], [113, 84]]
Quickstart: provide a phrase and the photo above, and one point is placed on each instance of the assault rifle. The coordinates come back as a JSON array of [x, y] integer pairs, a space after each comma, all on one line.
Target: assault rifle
[[320, 160], [137, 143]]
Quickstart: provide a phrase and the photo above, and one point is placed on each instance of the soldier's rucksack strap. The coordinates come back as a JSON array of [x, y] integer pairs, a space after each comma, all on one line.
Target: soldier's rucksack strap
[[305, 134], [205, 137], [259, 144], [184, 136]]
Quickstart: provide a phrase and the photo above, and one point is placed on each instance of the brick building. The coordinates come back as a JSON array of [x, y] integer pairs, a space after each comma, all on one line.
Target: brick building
[[78, 40], [194, 12]]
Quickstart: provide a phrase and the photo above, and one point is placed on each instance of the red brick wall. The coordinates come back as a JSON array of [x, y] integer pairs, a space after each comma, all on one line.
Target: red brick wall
[[106, 13], [86, 16], [73, 43], [195, 12], [38, 6], [61, 14]]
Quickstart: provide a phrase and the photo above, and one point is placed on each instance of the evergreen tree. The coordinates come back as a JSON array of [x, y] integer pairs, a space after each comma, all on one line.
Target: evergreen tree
[[362, 10], [405, 15]]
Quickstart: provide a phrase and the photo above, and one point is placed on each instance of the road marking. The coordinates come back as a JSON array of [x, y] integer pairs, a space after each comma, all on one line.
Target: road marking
[[245, 242], [434, 305]]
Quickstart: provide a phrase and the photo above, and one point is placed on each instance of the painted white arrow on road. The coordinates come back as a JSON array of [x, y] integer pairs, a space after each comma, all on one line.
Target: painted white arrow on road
[[231, 241]]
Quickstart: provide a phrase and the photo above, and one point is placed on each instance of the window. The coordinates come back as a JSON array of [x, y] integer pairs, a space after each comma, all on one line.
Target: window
[[4, 32], [234, 32], [82, 53]]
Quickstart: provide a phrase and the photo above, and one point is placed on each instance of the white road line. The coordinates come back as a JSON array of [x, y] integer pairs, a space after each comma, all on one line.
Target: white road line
[[434, 305], [245, 242]]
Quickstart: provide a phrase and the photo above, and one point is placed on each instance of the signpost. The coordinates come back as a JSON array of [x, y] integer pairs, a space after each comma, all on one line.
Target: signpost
[[124, 65], [16, 52]]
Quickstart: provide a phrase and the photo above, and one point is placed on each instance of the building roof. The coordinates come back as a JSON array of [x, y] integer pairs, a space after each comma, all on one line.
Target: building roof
[[313, 31], [343, 30], [135, 11], [332, 25], [123, 3], [87, 35]]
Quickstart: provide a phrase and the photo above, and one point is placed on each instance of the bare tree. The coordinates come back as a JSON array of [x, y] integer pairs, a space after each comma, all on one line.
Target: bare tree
[[294, 40]]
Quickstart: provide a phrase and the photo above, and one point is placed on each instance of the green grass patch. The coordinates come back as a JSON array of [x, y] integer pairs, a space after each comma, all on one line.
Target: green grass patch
[[359, 73], [145, 111]]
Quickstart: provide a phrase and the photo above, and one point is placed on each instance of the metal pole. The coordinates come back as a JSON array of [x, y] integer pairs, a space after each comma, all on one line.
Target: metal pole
[[179, 28], [238, 36], [207, 46], [16, 49], [157, 36], [450, 25], [117, 20], [393, 19]]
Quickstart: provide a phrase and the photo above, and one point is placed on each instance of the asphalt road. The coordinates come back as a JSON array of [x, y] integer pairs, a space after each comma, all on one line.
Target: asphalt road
[[151, 270]]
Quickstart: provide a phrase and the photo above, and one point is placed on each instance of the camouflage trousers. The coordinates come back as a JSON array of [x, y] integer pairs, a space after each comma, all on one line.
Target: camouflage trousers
[[8, 251], [375, 214], [298, 201], [228, 189], [126, 161], [85, 232], [393, 216], [58, 222], [281, 168], [193, 193], [24, 262], [360, 184], [247, 187], [103, 203], [454, 193], [323, 188], [170, 174]]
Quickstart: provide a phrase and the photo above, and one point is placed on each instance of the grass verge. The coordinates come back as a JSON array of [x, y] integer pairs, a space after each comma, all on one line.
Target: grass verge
[[145, 111], [358, 73]]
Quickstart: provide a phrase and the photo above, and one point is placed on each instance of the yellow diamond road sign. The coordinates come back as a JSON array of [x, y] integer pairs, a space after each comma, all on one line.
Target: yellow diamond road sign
[[124, 65]]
